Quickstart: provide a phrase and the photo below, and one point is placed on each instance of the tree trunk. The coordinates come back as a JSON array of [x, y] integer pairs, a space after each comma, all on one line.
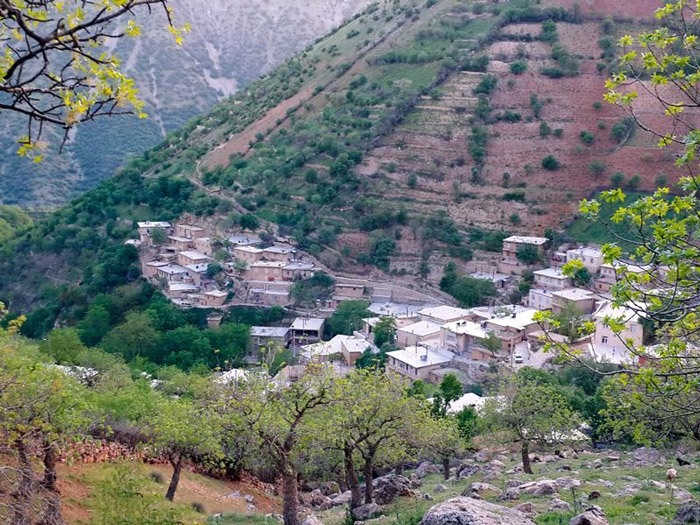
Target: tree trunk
[[50, 459], [369, 477], [290, 510], [351, 477], [52, 511], [446, 467], [399, 469], [177, 467], [22, 495], [525, 452]]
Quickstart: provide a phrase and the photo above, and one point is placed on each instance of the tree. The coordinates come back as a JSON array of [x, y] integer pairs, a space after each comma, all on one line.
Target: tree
[[528, 254], [182, 430], [384, 331], [550, 163], [450, 389], [348, 317], [444, 440], [58, 67], [492, 343], [64, 345], [279, 416], [530, 414]]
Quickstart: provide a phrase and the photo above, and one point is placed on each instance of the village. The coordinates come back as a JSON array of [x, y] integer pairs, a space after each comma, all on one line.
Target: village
[[196, 268]]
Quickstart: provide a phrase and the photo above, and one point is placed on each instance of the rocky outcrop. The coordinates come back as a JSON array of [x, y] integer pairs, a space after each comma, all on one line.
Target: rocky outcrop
[[387, 488], [482, 489], [426, 468], [687, 513], [366, 511], [592, 516], [311, 520], [470, 511]]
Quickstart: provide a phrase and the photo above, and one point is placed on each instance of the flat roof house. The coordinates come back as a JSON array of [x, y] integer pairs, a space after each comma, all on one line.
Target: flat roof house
[[462, 337], [582, 300], [416, 333], [552, 279], [417, 362], [443, 314], [192, 257], [247, 254], [307, 330], [592, 258], [512, 244]]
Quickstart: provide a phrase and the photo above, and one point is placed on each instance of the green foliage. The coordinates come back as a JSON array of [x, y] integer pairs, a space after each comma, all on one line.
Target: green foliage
[[467, 290], [597, 168], [450, 390], [623, 129], [319, 287], [550, 163], [384, 331], [618, 179], [518, 67], [348, 317], [477, 144], [12, 220], [587, 137], [486, 85]]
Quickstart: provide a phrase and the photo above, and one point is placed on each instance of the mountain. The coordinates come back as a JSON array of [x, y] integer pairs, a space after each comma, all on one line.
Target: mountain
[[232, 42], [419, 133]]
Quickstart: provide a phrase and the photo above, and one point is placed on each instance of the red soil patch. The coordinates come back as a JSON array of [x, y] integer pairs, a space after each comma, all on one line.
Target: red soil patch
[[624, 8]]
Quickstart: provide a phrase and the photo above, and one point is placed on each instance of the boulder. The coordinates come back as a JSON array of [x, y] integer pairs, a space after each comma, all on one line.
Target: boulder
[[439, 488], [315, 498], [495, 464], [592, 516], [510, 495], [311, 520], [681, 495], [366, 511], [482, 456], [594, 494], [567, 483], [559, 505], [426, 468], [470, 511], [687, 513], [648, 457], [482, 489], [467, 471], [527, 508], [341, 499], [391, 486], [542, 487], [330, 488], [656, 484]]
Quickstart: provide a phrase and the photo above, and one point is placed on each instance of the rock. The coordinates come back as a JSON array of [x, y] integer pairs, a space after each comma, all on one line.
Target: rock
[[682, 461], [439, 488], [495, 464], [629, 490], [605, 483], [564, 467], [592, 516], [311, 520], [510, 495], [527, 507], [469, 511], [559, 505], [613, 456], [648, 457], [594, 494], [468, 471], [656, 484], [367, 511], [481, 489], [427, 497], [549, 459], [389, 487], [341, 499], [330, 488], [567, 483], [681, 495], [687, 513], [542, 487], [249, 499], [482, 456], [426, 468], [249, 507], [598, 463], [316, 498], [512, 483], [628, 478]]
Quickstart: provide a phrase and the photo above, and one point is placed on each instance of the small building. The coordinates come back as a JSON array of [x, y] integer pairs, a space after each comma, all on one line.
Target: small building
[[266, 271], [269, 294], [204, 245], [267, 336], [174, 273], [150, 269], [192, 257], [499, 280], [592, 258], [552, 279], [539, 299], [467, 400], [610, 273], [243, 239], [583, 300], [512, 244], [247, 254], [416, 333], [214, 298], [443, 314], [146, 229], [612, 347], [180, 244], [189, 231], [306, 330], [511, 324], [352, 348], [349, 291], [180, 290], [417, 362], [324, 350], [297, 271], [462, 337], [279, 253]]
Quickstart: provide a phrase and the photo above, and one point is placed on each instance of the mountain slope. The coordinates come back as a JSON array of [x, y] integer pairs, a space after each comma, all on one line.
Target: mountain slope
[[232, 43]]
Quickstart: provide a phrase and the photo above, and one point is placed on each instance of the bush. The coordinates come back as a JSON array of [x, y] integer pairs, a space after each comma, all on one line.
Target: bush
[[519, 67], [550, 163], [558, 133], [157, 477], [486, 86], [517, 195], [597, 168], [618, 179], [634, 182], [587, 137], [198, 507], [545, 129], [623, 129]]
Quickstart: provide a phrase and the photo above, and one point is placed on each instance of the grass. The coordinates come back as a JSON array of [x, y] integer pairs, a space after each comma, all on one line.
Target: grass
[[241, 519]]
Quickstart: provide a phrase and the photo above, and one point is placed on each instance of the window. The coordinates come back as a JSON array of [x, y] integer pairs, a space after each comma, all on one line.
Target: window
[[604, 339], [633, 328]]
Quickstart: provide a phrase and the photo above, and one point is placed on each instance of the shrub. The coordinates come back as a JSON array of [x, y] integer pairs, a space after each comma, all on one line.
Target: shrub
[[587, 137], [515, 219], [550, 163], [545, 129], [558, 133], [597, 105], [486, 86], [634, 182], [198, 507], [597, 168], [618, 179], [623, 129], [412, 181], [661, 180], [519, 67], [157, 477], [517, 195]]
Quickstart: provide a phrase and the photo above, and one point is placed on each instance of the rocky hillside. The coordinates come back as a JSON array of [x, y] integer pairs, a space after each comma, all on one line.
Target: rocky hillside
[[606, 487], [232, 43]]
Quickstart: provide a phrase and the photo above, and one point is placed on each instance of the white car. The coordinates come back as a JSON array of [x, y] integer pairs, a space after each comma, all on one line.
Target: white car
[[517, 358]]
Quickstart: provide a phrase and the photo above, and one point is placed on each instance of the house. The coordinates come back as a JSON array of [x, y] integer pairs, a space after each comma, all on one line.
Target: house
[[552, 279], [307, 330], [583, 300], [443, 314], [511, 324], [266, 271], [349, 291], [192, 257], [592, 258], [610, 273], [539, 299], [416, 333], [214, 298], [189, 231], [174, 273], [247, 254], [323, 350], [462, 337], [467, 400], [146, 230], [297, 271], [279, 253], [204, 245], [612, 347], [181, 290], [269, 293], [511, 245], [263, 338], [180, 244], [243, 239], [150, 269], [499, 280], [417, 362], [352, 348]]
